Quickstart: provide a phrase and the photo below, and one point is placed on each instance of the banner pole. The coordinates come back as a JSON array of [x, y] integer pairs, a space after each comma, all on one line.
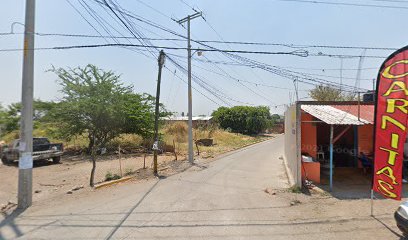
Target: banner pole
[[372, 203]]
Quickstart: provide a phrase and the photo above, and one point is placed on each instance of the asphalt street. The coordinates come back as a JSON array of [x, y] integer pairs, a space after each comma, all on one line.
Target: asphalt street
[[224, 199]]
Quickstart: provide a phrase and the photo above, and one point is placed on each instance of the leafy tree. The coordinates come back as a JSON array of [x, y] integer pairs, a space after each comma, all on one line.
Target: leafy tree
[[97, 104], [10, 117], [139, 110], [327, 93], [244, 119], [3, 115], [93, 103]]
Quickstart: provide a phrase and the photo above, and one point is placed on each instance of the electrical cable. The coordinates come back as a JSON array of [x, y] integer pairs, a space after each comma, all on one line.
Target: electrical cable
[[345, 4]]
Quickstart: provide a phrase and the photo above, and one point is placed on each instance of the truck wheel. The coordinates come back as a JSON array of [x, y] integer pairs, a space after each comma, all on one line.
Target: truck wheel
[[5, 161], [56, 160]]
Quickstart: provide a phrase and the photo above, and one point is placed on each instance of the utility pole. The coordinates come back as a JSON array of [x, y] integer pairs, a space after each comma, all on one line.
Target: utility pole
[[190, 100], [25, 164], [161, 59], [374, 84]]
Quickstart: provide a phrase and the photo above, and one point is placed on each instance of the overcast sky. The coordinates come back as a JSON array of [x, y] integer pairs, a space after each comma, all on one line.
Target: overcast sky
[[233, 20]]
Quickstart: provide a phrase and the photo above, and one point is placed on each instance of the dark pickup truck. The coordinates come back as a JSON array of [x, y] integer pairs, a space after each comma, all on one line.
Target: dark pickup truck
[[42, 150]]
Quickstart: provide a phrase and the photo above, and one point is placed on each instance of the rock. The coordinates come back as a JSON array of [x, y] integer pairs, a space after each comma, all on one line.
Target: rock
[[63, 180], [69, 192], [295, 202], [37, 191], [77, 188], [270, 191]]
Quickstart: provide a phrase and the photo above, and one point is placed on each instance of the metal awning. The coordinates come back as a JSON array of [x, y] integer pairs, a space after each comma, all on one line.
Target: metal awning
[[333, 116]]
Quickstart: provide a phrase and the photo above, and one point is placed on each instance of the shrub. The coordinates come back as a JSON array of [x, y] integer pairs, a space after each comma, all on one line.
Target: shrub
[[244, 119], [109, 176], [128, 171]]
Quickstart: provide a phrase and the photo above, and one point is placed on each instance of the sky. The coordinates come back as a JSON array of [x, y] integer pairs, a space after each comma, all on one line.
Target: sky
[[267, 21]]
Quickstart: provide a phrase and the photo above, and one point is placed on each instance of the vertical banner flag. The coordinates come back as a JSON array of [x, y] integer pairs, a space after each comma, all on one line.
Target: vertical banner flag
[[391, 113]]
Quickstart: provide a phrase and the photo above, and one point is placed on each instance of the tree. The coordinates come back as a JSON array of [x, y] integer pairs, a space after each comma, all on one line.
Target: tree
[[94, 103], [10, 117], [244, 119], [140, 111], [327, 93], [3, 115]]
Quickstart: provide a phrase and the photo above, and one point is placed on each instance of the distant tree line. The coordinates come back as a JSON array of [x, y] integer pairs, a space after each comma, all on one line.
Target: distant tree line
[[245, 119]]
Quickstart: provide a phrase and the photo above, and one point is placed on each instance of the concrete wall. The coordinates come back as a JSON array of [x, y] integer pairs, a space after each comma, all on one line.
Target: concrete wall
[[292, 145], [365, 139], [309, 132]]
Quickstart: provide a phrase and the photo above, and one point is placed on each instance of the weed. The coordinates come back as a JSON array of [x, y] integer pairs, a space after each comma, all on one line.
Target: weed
[[128, 171], [295, 189], [109, 176]]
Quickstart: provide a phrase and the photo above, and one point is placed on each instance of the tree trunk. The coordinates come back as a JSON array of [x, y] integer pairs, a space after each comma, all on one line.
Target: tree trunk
[[198, 150], [91, 143], [93, 158]]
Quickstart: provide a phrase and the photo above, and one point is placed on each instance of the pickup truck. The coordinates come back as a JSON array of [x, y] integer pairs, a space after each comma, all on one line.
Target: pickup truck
[[42, 150]]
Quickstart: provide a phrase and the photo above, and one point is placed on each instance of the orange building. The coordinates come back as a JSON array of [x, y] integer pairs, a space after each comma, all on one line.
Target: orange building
[[328, 136]]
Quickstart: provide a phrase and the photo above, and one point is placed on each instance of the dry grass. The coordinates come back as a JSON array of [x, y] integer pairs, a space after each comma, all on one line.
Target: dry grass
[[224, 141]]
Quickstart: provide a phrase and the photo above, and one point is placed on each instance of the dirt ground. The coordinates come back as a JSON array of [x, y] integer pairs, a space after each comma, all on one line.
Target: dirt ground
[[52, 180]]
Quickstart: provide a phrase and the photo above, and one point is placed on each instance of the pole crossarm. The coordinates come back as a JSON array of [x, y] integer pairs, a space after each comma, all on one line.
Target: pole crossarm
[[190, 17]]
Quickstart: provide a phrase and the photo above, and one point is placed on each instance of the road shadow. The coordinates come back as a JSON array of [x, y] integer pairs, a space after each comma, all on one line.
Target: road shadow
[[9, 220], [389, 228], [36, 164], [116, 228]]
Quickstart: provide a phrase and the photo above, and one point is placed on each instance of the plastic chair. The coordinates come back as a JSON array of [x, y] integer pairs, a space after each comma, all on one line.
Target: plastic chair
[[365, 162]]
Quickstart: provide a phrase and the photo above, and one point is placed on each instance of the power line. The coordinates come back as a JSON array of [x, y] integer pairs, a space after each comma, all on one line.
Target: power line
[[289, 45], [154, 9], [273, 69], [241, 80], [157, 47], [345, 4], [390, 1]]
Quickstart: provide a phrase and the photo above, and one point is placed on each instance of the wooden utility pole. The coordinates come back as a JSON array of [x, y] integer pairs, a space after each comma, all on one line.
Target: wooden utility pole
[[156, 117]]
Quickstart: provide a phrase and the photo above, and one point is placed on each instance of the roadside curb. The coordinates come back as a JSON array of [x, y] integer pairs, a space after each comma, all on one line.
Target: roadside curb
[[106, 184]]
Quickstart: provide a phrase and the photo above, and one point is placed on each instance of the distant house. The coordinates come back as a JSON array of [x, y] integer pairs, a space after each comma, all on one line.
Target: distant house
[[197, 121]]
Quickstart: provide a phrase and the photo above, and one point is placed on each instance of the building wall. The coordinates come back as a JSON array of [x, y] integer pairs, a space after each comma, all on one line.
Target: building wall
[[308, 135], [365, 139], [292, 151]]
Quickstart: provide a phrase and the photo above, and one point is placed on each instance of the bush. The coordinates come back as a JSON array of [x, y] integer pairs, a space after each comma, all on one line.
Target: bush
[[244, 119], [109, 176], [128, 171]]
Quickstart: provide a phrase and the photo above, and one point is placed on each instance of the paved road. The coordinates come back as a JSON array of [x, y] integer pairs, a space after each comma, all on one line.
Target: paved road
[[221, 200]]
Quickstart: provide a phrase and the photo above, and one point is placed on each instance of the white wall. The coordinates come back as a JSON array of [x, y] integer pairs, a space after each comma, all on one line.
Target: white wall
[[292, 143]]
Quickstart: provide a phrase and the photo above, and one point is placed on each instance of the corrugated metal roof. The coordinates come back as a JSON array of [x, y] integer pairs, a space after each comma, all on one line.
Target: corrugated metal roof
[[333, 116], [366, 111]]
